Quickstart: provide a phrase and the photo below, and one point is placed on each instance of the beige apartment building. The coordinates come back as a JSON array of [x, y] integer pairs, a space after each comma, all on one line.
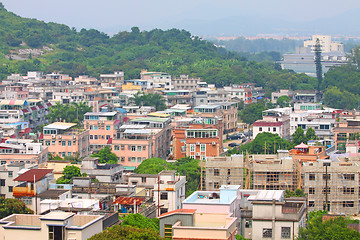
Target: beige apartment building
[[54, 225]]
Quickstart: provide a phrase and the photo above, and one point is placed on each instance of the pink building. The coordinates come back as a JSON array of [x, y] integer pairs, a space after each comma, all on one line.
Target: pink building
[[142, 138], [102, 128], [62, 139]]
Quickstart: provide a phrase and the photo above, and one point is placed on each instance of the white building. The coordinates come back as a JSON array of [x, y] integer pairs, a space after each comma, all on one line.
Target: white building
[[327, 45]]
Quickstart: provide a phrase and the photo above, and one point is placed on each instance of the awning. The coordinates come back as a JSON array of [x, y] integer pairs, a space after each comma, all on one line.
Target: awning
[[109, 141], [302, 145], [27, 130], [129, 200]]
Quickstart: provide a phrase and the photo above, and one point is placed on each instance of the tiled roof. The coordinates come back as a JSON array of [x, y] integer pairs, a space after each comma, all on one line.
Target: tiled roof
[[180, 211], [28, 176], [267, 124], [129, 200]]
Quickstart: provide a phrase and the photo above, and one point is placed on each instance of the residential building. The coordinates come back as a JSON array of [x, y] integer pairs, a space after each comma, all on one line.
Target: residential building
[[169, 191], [184, 82], [111, 173], [219, 171], [276, 121], [345, 128], [142, 138], [326, 44], [157, 80], [180, 96], [30, 184], [274, 217], [190, 224], [111, 80], [102, 128], [280, 93], [342, 182], [307, 153], [197, 138], [23, 151], [62, 139], [7, 174], [54, 225]]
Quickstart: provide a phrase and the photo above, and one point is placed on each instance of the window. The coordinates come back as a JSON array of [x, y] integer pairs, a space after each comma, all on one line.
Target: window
[[143, 179], [95, 127], [139, 148], [47, 143], [267, 233], [348, 203], [2, 182], [133, 148], [348, 190], [324, 190], [260, 129], [91, 136], [10, 188], [203, 147], [192, 147], [350, 177], [69, 143], [216, 172], [311, 177], [311, 190], [123, 159], [108, 127], [163, 196], [107, 137], [311, 204], [324, 177], [133, 159], [248, 223], [285, 232], [10, 174], [69, 154], [116, 148], [274, 129], [139, 159], [144, 148]]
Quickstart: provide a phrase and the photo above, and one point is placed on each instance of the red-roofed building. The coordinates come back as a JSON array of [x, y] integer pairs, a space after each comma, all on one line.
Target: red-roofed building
[[30, 184]]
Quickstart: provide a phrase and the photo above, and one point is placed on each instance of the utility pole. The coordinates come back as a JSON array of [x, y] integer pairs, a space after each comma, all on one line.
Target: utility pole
[[326, 206]]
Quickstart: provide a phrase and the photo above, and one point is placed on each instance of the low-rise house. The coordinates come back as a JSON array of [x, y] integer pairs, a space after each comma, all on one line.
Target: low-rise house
[[7, 174], [110, 173], [54, 225]]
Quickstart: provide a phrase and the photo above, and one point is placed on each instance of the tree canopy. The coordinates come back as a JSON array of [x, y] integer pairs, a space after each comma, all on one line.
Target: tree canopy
[[138, 220], [150, 99], [72, 113], [299, 137], [127, 233], [332, 229], [252, 112], [106, 156], [188, 167], [68, 173], [10, 206]]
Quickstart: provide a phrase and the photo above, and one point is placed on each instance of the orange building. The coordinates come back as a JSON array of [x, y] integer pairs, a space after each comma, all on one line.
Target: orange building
[[62, 139], [197, 138], [305, 153]]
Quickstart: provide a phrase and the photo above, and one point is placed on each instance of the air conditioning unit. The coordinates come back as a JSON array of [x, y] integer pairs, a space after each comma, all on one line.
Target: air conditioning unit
[[197, 143], [213, 143], [74, 137], [197, 154], [59, 136], [102, 122], [53, 136]]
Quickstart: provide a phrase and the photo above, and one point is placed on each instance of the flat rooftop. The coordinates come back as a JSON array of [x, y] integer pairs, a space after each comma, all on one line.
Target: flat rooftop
[[60, 125]]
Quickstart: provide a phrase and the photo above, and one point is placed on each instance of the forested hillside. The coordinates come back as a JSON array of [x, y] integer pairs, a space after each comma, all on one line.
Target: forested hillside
[[92, 52]]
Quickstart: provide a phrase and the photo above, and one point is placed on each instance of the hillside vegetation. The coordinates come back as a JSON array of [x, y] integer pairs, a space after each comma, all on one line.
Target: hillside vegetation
[[92, 52]]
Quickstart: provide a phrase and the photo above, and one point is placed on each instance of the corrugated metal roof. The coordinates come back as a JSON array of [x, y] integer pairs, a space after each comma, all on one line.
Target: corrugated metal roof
[[268, 195], [60, 125], [136, 131], [129, 200]]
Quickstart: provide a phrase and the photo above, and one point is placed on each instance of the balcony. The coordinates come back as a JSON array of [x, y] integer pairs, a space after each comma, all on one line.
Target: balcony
[[23, 190]]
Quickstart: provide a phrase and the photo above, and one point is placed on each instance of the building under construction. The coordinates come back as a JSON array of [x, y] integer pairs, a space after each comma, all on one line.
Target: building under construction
[[342, 181], [217, 171]]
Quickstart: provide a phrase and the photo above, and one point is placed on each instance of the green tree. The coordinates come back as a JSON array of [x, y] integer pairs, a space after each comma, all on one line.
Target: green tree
[[296, 193], [10, 206], [127, 233], [318, 65], [252, 112], [283, 101], [332, 229], [299, 136], [106, 156], [150, 99], [73, 113], [151, 166], [334, 97], [138, 220], [68, 173], [310, 134]]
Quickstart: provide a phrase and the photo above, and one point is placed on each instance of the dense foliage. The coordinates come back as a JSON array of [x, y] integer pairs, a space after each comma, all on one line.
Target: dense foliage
[[138, 220], [72, 113], [68, 173], [127, 233], [264, 143], [150, 99], [296, 193], [174, 51], [10, 206], [188, 167], [333, 229], [106, 156]]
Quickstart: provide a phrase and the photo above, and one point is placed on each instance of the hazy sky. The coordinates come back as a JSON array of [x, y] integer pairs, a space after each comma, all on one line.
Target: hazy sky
[[115, 15]]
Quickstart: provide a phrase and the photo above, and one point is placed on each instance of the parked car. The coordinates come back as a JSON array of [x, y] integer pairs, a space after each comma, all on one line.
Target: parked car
[[234, 144]]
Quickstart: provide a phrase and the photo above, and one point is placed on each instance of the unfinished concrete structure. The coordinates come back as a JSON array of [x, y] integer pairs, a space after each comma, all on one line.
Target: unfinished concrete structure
[[217, 171], [342, 181], [274, 171]]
